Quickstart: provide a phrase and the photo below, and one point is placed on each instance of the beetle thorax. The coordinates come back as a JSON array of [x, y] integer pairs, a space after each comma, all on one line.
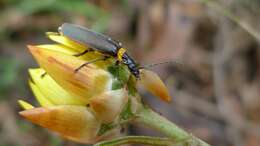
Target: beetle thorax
[[120, 54]]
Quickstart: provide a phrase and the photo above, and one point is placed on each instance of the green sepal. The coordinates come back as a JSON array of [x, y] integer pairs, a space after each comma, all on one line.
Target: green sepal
[[127, 111], [105, 127], [121, 75], [113, 69], [131, 84], [117, 85]]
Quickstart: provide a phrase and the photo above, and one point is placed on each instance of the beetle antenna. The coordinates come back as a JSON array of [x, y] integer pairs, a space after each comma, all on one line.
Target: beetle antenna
[[161, 63]]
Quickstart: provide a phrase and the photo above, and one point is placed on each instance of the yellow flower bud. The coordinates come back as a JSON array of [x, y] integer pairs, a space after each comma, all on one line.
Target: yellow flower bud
[[66, 42], [85, 105], [108, 105], [25, 105], [152, 82], [48, 92], [70, 121], [87, 82]]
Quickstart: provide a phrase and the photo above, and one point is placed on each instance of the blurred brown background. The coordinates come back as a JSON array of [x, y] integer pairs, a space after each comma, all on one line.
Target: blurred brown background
[[215, 86]]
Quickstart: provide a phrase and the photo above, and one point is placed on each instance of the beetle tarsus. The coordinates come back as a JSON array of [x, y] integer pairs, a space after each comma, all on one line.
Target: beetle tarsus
[[117, 62], [77, 69], [92, 61], [82, 53], [43, 75]]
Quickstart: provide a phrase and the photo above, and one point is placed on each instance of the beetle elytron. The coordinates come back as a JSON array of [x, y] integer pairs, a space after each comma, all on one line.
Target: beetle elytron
[[100, 43]]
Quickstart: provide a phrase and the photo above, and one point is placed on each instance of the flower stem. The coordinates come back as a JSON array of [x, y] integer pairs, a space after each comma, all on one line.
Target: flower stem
[[152, 119], [147, 140]]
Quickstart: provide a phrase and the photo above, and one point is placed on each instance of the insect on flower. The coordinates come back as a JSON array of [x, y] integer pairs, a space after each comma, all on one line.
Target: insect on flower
[[110, 48], [101, 43]]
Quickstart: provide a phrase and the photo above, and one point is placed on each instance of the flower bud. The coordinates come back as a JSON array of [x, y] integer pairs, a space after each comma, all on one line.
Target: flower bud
[[87, 82], [73, 122], [48, 92], [66, 42], [152, 82], [86, 104], [108, 105]]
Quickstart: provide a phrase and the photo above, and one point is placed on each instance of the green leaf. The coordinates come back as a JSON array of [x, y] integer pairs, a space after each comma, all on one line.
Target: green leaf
[[105, 127]]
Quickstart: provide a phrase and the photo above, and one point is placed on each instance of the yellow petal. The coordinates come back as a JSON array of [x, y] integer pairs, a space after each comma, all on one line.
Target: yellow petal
[[108, 105], [59, 48], [48, 92], [74, 122], [43, 100], [25, 105], [87, 82], [152, 82], [69, 51], [66, 42]]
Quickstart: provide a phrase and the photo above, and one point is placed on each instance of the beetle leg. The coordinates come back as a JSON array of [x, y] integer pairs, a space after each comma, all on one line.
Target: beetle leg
[[92, 61], [117, 62], [82, 53], [43, 74]]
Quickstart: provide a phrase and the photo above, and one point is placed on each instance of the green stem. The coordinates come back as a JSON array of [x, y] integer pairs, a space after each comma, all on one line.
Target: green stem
[[152, 119], [148, 140]]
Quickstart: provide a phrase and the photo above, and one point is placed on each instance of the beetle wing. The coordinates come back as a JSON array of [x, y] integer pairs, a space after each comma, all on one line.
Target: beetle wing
[[89, 38]]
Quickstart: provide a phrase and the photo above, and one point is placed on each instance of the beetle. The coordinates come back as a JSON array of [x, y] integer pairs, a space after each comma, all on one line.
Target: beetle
[[101, 43]]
